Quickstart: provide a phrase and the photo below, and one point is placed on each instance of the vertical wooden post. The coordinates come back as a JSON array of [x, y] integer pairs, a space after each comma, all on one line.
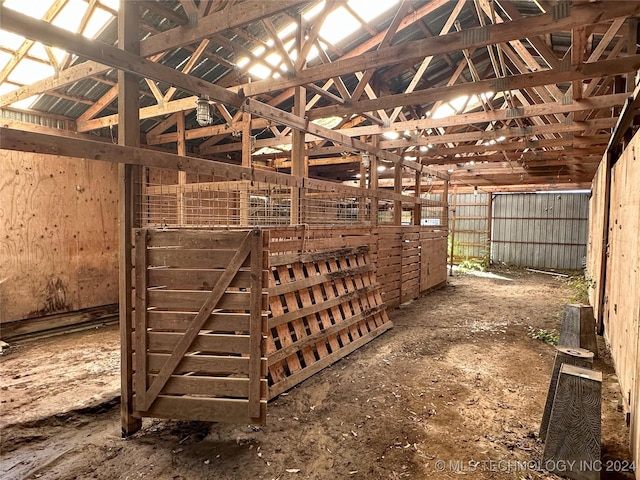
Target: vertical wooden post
[[128, 134], [299, 166], [452, 230], [397, 188], [182, 176], [489, 225], [244, 194], [417, 209], [444, 221], [632, 48], [362, 204], [373, 183]]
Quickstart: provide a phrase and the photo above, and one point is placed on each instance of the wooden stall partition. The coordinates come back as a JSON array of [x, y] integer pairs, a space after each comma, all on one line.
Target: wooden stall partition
[[389, 264], [596, 244], [621, 310], [433, 259], [200, 321], [324, 305], [411, 264]]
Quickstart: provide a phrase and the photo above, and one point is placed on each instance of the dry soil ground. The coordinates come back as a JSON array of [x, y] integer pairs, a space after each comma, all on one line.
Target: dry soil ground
[[457, 380]]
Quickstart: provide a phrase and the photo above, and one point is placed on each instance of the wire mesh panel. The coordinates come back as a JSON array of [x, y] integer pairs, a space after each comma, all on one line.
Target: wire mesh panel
[[178, 199]]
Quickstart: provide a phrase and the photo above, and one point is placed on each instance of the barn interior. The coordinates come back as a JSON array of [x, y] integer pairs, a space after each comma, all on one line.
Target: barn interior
[[223, 204]]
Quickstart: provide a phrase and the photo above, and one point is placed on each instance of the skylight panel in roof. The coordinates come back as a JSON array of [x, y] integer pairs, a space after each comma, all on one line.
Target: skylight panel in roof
[[34, 9], [25, 103], [273, 59], [7, 87], [38, 51], [30, 71], [71, 15], [371, 9], [260, 71], [315, 10], [338, 25], [10, 40], [112, 4], [98, 20], [4, 59]]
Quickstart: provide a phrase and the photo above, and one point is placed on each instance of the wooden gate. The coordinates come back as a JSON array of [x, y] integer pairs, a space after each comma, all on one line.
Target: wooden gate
[[199, 325]]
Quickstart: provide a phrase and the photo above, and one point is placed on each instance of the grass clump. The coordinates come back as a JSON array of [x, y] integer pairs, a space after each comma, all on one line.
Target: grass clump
[[472, 264], [551, 337], [580, 284]]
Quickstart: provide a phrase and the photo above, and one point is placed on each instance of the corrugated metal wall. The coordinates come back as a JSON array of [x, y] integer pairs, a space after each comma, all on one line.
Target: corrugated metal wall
[[541, 230], [471, 238]]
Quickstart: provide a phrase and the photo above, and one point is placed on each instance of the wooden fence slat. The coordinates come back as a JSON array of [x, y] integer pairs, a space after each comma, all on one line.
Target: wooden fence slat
[[185, 300], [216, 342], [184, 258], [255, 328], [140, 319], [230, 410], [193, 279], [180, 321]]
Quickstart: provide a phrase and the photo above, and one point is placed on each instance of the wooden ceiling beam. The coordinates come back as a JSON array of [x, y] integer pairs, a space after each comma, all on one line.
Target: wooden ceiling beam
[[244, 13], [615, 66], [584, 14]]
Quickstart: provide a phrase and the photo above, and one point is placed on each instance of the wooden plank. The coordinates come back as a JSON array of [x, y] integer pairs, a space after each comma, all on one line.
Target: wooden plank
[[316, 279], [192, 300], [204, 409], [180, 321], [187, 258], [578, 396], [342, 299], [195, 239], [201, 363], [201, 385], [140, 319], [312, 321], [200, 319], [128, 135], [288, 259], [193, 279], [255, 331], [298, 377], [294, 313], [214, 342]]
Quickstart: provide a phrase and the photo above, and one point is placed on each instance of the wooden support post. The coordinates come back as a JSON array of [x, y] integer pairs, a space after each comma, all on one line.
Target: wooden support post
[[578, 328], [417, 209], [362, 205], [397, 188], [572, 448], [244, 194], [564, 355], [444, 221], [182, 176], [373, 182], [128, 134], [632, 49], [489, 225], [452, 231], [299, 164]]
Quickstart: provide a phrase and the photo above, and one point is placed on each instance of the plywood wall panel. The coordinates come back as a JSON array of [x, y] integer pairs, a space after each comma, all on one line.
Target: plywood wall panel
[[58, 244]]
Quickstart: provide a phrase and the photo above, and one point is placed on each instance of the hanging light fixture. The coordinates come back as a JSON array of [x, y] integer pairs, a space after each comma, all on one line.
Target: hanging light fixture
[[366, 160], [203, 113], [475, 190]]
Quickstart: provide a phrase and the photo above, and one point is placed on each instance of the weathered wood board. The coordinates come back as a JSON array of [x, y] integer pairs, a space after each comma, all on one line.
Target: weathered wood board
[[58, 235]]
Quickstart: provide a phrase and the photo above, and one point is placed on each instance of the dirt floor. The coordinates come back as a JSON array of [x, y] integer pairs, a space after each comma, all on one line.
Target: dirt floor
[[458, 380]]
